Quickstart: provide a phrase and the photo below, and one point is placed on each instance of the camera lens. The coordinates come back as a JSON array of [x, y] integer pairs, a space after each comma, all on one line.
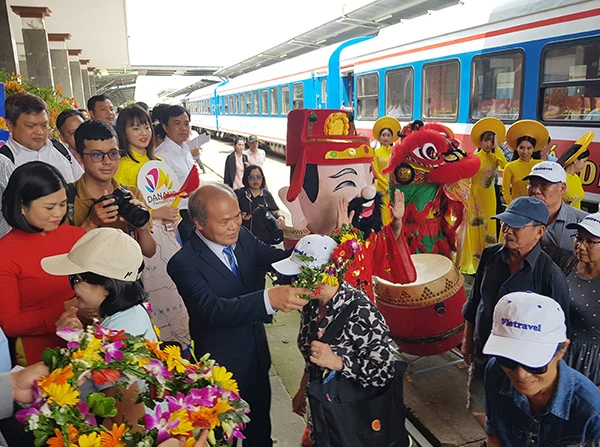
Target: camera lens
[[135, 215]]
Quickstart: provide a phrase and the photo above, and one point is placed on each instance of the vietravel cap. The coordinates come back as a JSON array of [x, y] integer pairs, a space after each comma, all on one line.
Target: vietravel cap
[[524, 210], [319, 246], [526, 328], [252, 138], [548, 170], [590, 223], [104, 251]]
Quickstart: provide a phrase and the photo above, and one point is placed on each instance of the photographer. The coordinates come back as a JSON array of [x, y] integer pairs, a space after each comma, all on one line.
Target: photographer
[[101, 201]]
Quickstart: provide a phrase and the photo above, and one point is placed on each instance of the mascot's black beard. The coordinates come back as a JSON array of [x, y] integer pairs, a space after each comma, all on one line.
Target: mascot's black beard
[[367, 224]]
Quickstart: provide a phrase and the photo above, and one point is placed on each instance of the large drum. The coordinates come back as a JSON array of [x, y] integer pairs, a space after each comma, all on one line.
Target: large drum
[[425, 317]]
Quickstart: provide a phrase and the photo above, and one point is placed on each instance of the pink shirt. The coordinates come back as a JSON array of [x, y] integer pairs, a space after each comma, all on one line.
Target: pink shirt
[[256, 159], [239, 171]]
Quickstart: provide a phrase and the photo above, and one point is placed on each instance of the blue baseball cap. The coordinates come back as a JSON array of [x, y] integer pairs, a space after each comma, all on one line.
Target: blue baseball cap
[[524, 210]]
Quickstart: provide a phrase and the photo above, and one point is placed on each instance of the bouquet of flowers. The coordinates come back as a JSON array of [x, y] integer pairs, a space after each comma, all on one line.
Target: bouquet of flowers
[[350, 242], [182, 398]]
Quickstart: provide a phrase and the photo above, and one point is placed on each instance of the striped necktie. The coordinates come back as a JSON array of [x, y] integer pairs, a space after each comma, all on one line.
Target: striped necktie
[[228, 251]]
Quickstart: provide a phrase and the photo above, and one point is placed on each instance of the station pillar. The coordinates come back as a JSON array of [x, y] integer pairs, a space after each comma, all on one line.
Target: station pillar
[[60, 61], [92, 78], [75, 68], [9, 59], [35, 39], [85, 78]]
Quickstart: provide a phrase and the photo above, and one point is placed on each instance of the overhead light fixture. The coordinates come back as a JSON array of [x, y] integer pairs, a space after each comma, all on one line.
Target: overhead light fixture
[[385, 17], [281, 56], [320, 41]]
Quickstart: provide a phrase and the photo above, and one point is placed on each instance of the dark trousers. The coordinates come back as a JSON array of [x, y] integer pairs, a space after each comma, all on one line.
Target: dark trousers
[[186, 226], [257, 392]]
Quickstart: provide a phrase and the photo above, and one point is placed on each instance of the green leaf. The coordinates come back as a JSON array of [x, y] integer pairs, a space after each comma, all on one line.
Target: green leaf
[[101, 405]]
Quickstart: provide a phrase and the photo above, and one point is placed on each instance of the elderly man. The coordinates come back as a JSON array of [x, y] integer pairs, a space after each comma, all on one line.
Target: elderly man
[[219, 273], [547, 182], [532, 396], [519, 264]]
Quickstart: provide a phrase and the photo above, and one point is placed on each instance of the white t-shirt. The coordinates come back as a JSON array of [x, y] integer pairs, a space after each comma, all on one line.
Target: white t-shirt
[[134, 321], [71, 171], [179, 159], [256, 159]]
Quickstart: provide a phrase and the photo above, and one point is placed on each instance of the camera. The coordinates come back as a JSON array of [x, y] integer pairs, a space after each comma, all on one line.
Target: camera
[[135, 215]]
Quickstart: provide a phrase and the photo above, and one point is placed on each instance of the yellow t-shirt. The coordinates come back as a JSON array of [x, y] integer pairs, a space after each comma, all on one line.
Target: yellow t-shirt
[[513, 185], [575, 192], [129, 169]]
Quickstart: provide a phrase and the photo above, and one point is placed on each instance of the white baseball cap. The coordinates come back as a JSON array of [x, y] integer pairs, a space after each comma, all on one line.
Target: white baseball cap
[[590, 223], [318, 246], [548, 170], [104, 251], [527, 328]]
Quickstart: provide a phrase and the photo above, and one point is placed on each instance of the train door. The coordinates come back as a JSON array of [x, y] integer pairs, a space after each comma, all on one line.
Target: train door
[[348, 89]]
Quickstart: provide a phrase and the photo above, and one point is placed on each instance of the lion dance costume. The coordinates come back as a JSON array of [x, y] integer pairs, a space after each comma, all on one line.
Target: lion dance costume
[[430, 168]]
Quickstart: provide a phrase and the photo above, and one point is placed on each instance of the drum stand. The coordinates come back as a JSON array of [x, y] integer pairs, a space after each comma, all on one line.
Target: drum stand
[[412, 361]]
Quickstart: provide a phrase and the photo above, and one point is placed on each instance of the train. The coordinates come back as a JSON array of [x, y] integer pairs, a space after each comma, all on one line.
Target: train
[[509, 59]]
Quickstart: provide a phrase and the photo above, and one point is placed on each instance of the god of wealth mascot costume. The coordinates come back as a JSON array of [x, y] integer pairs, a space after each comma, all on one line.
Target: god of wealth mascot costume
[[431, 169], [330, 163]]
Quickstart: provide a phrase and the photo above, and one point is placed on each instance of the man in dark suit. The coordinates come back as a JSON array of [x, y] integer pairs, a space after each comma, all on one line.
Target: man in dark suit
[[219, 273]]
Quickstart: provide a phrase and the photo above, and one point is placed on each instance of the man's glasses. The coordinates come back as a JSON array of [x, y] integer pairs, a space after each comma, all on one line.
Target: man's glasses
[[578, 240], [511, 364], [255, 177], [98, 156], [505, 227], [541, 186]]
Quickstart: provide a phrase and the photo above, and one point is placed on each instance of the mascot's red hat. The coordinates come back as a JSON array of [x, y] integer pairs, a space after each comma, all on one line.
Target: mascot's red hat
[[322, 137]]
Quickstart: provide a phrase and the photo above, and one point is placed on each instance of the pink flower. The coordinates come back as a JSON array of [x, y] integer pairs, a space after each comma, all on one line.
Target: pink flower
[[70, 336], [112, 351], [160, 421], [158, 370]]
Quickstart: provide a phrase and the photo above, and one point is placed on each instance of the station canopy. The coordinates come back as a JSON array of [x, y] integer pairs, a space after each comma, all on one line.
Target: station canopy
[[365, 21]]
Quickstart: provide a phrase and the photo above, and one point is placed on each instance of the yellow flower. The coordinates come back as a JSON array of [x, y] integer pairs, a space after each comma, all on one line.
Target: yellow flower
[[331, 280], [224, 379], [91, 440], [185, 425], [347, 237], [141, 361], [61, 394], [174, 360], [3, 124], [91, 353]]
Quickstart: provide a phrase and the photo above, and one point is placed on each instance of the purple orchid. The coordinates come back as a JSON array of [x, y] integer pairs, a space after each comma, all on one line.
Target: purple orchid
[[158, 370], [25, 413], [112, 351], [160, 421], [70, 336], [85, 413]]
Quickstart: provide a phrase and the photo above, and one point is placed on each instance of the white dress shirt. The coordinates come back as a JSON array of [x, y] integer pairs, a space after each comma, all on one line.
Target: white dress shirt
[[179, 159], [217, 249], [71, 171]]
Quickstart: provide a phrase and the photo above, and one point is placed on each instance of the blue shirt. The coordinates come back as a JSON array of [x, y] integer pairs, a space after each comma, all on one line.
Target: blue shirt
[[5, 362], [572, 416]]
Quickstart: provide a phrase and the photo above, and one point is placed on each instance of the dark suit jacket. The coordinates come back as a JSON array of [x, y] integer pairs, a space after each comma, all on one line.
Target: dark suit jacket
[[230, 168], [227, 313]]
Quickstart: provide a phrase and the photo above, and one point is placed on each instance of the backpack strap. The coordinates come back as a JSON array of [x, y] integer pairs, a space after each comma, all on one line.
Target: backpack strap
[[62, 149], [338, 324], [71, 190], [5, 150]]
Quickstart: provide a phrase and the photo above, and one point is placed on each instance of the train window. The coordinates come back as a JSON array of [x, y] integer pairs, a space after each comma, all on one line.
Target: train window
[[248, 103], [570, 82], [298, 99], [399, 93], [367, 96], [324, 91], [238, 110], [440, 91], [496, 87], [285, 99], [264, 102], [273, 98], [255, 104]]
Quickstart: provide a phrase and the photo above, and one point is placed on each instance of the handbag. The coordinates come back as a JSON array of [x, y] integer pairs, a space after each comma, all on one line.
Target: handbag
[[346, 414]]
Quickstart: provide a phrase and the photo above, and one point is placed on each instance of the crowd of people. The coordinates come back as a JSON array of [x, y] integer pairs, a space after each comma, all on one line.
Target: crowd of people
[[80, 243]]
